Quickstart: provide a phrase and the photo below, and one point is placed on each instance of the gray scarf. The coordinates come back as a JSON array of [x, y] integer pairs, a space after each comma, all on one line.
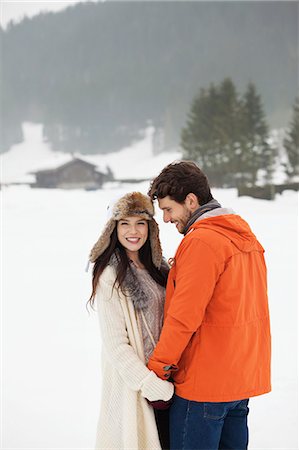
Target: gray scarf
[[212, 204], [132, 286]]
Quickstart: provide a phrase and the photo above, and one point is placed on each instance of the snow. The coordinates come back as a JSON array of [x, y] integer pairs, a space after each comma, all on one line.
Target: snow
[[136, 161], [30, 155], [51, 344], [276, 141]]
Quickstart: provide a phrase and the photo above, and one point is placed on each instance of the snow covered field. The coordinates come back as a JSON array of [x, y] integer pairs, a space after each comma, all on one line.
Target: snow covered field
[[51, 344]]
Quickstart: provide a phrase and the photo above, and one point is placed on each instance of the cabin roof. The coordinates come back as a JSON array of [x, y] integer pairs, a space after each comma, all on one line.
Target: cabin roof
[[66, 164]]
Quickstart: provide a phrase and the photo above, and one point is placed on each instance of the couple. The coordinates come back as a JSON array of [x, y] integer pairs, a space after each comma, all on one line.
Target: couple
[[181, 367]]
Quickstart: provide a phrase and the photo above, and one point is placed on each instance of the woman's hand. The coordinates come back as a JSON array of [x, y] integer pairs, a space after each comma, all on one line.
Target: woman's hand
[[154, 389]]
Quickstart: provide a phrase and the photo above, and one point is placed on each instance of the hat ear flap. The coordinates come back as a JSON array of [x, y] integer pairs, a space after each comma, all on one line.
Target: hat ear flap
[[103, 242], [155, 243]]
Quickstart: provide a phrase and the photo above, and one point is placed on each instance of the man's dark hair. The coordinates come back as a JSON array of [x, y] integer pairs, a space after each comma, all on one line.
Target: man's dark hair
[[179, 179]]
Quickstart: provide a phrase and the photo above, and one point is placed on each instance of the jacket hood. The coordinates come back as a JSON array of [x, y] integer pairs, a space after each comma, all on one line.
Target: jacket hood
[[232, 227]]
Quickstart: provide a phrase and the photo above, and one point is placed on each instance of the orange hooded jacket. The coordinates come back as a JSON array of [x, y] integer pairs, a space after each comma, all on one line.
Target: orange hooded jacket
[[215, 341]]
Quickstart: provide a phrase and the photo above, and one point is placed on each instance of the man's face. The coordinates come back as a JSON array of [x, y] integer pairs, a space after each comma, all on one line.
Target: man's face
[[175, 212]]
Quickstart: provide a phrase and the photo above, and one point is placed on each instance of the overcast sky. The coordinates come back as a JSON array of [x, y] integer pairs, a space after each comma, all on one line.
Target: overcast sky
[[16, 9]]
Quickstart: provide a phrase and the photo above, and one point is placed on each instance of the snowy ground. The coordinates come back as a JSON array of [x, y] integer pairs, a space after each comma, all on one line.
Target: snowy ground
[[51, 345]]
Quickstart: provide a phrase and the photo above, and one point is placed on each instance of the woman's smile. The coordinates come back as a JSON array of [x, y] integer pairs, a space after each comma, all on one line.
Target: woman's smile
[[132, 232]]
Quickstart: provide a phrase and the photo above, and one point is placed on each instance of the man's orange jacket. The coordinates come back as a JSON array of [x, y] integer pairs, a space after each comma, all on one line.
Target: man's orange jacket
[[215, 341]]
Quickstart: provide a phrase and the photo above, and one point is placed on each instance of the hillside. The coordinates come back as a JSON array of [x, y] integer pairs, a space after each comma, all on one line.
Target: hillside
[[96, 73], [134, 162]]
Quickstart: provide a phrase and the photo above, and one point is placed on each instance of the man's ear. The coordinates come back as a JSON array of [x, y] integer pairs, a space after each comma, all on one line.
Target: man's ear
[[192, 201]]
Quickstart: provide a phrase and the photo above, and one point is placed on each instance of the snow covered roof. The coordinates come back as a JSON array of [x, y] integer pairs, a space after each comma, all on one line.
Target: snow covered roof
[[61, 166]]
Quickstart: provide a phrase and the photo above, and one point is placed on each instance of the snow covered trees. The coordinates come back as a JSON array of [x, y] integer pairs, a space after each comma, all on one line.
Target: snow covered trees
[[227, 135], [291, 143]]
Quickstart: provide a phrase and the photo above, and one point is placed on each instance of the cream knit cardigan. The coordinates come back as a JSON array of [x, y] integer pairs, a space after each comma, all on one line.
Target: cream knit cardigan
[[126, 419]]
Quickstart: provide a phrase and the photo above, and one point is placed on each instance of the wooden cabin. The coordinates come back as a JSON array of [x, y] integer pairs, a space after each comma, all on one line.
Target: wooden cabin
[[75, 174]]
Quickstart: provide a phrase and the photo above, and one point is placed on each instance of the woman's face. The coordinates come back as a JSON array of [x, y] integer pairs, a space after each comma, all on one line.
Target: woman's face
[[132, 233]]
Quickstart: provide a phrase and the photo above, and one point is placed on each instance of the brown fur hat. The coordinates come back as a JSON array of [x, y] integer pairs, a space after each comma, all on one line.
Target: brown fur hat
[[131, 204]]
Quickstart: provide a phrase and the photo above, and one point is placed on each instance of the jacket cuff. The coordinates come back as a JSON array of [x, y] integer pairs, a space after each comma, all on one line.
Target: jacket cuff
[[154, 389], [161, 369]]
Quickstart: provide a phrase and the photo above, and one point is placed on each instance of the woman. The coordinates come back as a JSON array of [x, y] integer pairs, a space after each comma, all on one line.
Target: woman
[[129, 279]]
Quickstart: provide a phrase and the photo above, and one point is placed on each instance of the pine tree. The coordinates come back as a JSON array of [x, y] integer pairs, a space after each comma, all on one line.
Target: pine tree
[[211, 131], [254, 153], [291, 142], [197, 138], [227, 135], [228, 129]]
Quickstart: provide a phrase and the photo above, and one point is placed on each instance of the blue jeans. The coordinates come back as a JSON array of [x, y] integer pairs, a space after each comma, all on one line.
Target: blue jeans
[[208, 426]]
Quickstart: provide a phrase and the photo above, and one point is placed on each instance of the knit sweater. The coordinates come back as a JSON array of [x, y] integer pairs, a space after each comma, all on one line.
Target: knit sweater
[[151, 317], [126, 419]]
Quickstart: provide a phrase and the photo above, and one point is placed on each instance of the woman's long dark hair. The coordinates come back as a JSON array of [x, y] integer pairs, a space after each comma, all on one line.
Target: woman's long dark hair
[[145, 255]]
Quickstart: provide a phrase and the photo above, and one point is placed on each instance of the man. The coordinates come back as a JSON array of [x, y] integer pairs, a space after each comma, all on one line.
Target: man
[[215, 341]]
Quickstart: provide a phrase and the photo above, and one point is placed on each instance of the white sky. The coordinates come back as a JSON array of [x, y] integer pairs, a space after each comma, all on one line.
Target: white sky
[[16, 9]]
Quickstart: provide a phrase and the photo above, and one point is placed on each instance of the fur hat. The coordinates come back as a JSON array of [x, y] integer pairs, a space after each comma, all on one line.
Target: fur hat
[[131, 204]]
